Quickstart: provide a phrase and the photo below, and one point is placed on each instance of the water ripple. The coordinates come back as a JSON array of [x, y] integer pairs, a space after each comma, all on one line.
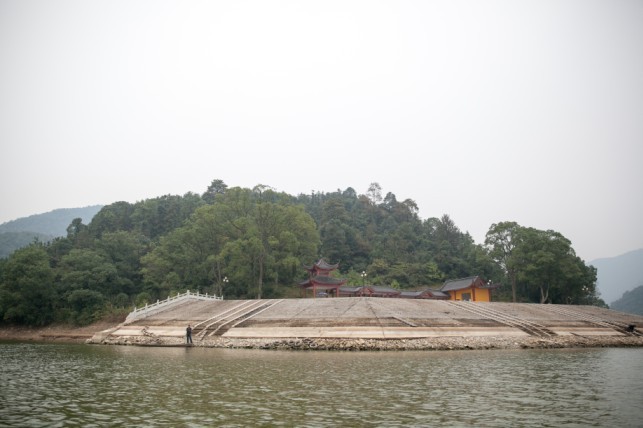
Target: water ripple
[[78, 385]]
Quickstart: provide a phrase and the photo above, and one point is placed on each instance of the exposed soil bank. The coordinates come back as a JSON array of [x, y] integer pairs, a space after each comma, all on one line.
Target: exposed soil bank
[[53, 333]]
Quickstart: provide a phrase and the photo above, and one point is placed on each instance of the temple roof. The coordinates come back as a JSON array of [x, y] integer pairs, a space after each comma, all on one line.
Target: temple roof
[[321, 265], [350, 289], [411, 293], [438, 293], [428, 293], [383, 290], [464, 283]]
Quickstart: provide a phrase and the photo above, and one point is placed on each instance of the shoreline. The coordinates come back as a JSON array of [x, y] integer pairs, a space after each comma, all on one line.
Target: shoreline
[[67, 335], [52, 333], [443, 343]]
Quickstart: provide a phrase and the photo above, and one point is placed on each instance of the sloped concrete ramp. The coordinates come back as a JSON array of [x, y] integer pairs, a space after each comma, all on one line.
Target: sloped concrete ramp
[[371, 318], [366, 332]]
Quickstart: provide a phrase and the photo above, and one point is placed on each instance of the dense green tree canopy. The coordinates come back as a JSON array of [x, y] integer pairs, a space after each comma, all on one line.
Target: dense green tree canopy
[[27, 294], [540, 265], [257, 238], [501, 241], [248, 243]]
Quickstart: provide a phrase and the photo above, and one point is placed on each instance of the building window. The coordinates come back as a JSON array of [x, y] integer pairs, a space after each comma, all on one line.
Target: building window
[[466, 296]]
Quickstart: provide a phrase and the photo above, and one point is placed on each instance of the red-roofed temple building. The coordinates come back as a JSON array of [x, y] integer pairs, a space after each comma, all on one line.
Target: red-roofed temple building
[[319, 279]]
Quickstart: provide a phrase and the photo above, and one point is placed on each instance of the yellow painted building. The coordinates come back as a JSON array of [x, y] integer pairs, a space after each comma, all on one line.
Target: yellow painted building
[[472, 289]]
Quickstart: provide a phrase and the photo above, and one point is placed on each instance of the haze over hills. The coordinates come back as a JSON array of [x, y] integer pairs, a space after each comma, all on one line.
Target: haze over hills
[[619, 274], [51, 223], [17, 233]]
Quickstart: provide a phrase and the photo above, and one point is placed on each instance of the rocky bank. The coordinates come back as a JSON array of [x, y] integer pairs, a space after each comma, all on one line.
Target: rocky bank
[[418, 344]]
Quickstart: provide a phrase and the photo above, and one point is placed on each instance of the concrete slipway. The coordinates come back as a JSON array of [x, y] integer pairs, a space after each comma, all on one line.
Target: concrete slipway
[[223, 321]]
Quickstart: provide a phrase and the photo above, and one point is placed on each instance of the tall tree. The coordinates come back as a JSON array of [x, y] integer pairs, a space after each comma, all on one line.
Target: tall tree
[[450, 248], [110, 218], [87, 269], [27, 294], [375, 193], [249, 236], [276, 224], [501, 241], [550, 267], [215, 189]]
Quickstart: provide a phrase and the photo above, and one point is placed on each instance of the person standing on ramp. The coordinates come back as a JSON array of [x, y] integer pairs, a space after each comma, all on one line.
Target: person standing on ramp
[[188, 334]]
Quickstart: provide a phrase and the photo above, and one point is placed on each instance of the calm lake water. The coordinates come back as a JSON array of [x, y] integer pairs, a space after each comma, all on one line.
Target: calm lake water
[[83, 385]]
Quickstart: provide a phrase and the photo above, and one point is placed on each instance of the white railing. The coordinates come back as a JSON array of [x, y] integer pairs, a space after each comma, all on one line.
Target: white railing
[[150, 309]]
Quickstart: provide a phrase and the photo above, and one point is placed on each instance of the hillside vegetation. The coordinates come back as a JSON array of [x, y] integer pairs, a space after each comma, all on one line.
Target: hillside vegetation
[[11, 241], [252, 243]]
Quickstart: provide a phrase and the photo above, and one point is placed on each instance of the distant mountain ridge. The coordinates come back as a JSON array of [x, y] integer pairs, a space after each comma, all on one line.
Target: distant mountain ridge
[[631, 302], [617, 275], [18, 233]]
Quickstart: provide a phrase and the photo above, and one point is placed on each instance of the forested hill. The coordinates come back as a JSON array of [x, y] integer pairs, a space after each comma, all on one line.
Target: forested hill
[[253, 243], [631, 302], [20, 232]]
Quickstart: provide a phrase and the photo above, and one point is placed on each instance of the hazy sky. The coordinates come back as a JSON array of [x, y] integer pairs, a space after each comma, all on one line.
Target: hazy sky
[[489, 111]]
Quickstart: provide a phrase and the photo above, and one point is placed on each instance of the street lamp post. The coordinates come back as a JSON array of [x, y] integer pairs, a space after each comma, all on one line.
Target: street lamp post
[[225, 282], [363, 275]]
